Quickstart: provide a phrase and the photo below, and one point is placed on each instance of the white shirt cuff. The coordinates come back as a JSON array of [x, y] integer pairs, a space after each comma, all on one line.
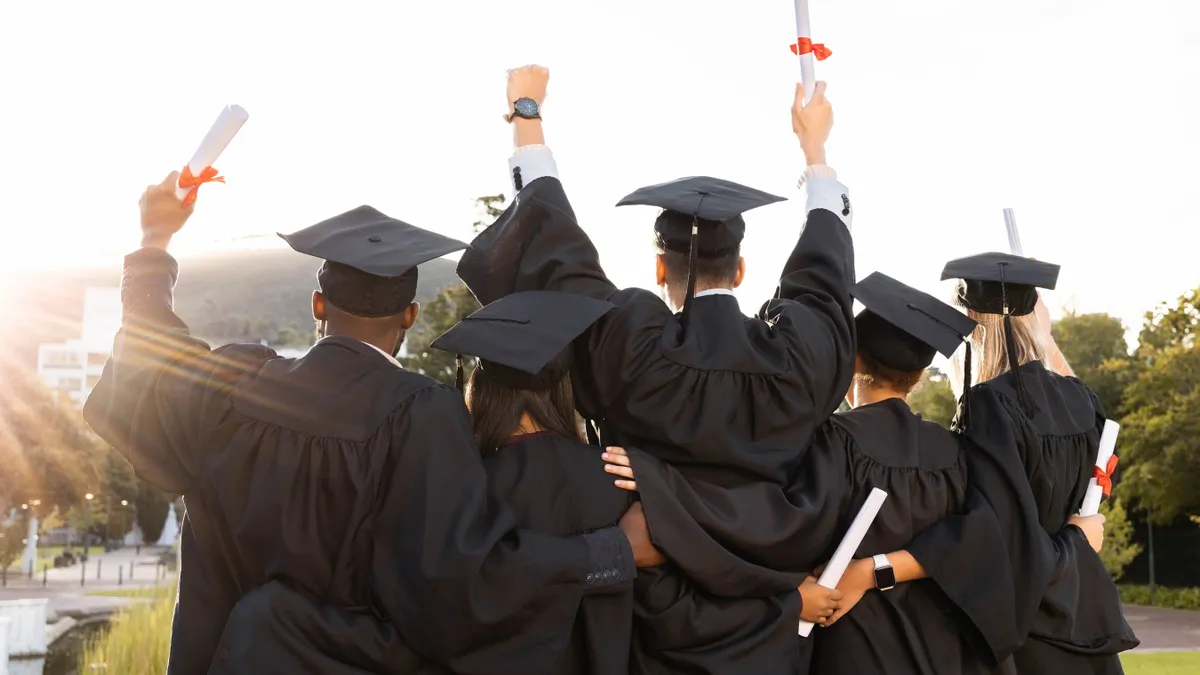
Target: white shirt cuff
[[529, 163], [825, 192]]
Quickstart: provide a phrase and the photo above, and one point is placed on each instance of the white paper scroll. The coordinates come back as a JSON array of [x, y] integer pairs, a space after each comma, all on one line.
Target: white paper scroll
[[849, 545], [1108, 445], [228, 123], [808, 73], [1014, 237]]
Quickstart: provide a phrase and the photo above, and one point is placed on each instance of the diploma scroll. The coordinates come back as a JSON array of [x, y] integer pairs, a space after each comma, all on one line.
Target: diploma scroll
[[808, 73], [1104, 466], [1014, 237], [228, 123], [848, 546]]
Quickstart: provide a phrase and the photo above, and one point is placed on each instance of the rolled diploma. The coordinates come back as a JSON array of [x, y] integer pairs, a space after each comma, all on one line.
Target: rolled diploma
[[1108, 445], [228, 123], [849, 545], [808, 75], [1014, 237]]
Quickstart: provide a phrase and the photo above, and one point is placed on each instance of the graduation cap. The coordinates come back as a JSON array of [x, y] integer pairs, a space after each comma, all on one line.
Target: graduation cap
[[371, 260], [524, 339], [902, 327], [1001, 283], [701, 216]]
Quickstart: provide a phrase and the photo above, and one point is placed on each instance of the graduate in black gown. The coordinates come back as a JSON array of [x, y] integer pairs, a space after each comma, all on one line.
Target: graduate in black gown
[[537, 461], [729, 400], [1034, 433], [337, 475], [879, 625]]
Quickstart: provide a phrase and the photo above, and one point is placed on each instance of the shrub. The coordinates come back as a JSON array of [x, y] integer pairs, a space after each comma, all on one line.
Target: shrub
[[1170, 598], [138, 640]]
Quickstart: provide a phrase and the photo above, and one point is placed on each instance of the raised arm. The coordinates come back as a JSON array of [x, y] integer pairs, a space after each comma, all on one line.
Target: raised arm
[[536, 244], [152, 398], [812, 307], [460, 582]]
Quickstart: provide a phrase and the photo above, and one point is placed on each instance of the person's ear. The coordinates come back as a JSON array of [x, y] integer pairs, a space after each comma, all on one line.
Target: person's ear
[[409, 317], [741, 272], [660, 270], [318, 306]]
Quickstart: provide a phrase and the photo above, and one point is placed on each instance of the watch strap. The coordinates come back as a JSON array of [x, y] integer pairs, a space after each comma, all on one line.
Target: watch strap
[[885, 576]]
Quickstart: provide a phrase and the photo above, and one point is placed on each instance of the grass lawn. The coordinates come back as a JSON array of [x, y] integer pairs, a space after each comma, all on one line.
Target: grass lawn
[[142, 592], [46, 557], [1166, 663]]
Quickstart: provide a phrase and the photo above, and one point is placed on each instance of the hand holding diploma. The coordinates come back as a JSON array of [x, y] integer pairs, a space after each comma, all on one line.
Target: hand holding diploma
[[200, 170], [833, 571], [1014, 237]]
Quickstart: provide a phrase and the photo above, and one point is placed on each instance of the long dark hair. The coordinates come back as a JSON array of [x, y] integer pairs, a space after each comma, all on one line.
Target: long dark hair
[[496, 408]]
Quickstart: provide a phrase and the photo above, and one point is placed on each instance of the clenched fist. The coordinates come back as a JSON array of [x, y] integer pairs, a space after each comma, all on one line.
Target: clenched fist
[[812, 122], [162, 213], [527, 82]]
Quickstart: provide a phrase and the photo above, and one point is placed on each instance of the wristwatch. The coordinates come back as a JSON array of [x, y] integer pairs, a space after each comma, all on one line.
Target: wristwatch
[[885, 576], [525, 108]]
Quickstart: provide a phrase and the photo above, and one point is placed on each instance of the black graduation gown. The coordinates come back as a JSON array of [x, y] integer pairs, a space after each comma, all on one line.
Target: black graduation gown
[[731, 403], [913, 628], [1062, 613], [558, 486], [337, 475]]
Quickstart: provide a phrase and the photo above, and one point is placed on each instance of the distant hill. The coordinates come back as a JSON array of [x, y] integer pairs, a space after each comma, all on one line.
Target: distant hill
[[234, 296]]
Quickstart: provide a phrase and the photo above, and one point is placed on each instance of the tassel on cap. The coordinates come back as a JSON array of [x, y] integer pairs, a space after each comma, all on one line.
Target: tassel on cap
[[458, 374], [964, 401], [693, 247]]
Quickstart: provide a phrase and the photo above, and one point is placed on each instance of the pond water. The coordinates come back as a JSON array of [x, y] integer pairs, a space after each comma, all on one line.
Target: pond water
[[64, 654]]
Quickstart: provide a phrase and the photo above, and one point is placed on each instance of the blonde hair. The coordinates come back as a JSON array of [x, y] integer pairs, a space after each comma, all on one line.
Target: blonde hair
[[989, 354]]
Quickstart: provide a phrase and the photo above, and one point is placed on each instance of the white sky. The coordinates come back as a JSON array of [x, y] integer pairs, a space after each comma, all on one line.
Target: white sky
[[1079, 114]]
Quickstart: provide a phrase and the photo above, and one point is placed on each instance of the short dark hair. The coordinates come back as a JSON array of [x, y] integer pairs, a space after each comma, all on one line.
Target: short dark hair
[[496, 409], [717, 270], [876, 374]]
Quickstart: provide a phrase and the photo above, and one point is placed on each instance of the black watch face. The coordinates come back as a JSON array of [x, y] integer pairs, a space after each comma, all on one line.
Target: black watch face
[[885, 578], [526, 107]]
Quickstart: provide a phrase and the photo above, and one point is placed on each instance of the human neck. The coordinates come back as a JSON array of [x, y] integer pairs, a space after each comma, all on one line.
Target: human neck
[[864, 395], [527, 426], [677, 294], [383, 342]]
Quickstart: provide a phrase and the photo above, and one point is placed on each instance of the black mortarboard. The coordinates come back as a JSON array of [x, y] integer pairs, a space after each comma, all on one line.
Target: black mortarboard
[[1001, 283], [902, 327], [992, 281], [370, 259], [701, 216], [525, 338]]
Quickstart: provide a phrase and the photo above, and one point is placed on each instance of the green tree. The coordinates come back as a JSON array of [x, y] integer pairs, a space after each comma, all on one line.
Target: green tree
[[450, 306], [1160, 435], [46, 450], [1094, 345], [1119, 549], [933, 398]]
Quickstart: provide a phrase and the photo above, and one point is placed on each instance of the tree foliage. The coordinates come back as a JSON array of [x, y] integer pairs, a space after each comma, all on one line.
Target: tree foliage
[[933, 398], [450, 306], [46, 450], [1119, 549], [1094, 345]]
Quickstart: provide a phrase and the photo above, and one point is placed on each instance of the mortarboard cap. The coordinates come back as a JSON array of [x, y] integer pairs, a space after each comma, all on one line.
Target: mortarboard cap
[[370, 259], [990, 280], [902, 327], [715, 205], [701, 216], [525, 338]]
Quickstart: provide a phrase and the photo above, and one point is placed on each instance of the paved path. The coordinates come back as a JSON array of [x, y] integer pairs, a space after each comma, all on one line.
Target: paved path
[[1164, 629]]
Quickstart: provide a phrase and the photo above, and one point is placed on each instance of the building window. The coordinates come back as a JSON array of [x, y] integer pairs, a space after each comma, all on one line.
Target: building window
[[69, 384], [62, 358], [97, 359]]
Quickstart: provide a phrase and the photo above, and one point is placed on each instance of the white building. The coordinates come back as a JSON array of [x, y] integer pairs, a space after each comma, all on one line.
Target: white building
[[72, 368]]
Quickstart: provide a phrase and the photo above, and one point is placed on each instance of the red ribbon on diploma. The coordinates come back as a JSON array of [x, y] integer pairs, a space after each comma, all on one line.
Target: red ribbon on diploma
[[1104, 476], [187, 180], [806, 45]]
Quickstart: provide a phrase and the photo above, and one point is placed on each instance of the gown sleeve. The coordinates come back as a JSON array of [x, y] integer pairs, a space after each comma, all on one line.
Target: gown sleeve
[[162, 388], [812, 304], [458, 580]]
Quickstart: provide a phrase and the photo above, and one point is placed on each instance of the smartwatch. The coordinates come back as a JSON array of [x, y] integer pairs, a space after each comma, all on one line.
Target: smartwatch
[[885, 576]]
